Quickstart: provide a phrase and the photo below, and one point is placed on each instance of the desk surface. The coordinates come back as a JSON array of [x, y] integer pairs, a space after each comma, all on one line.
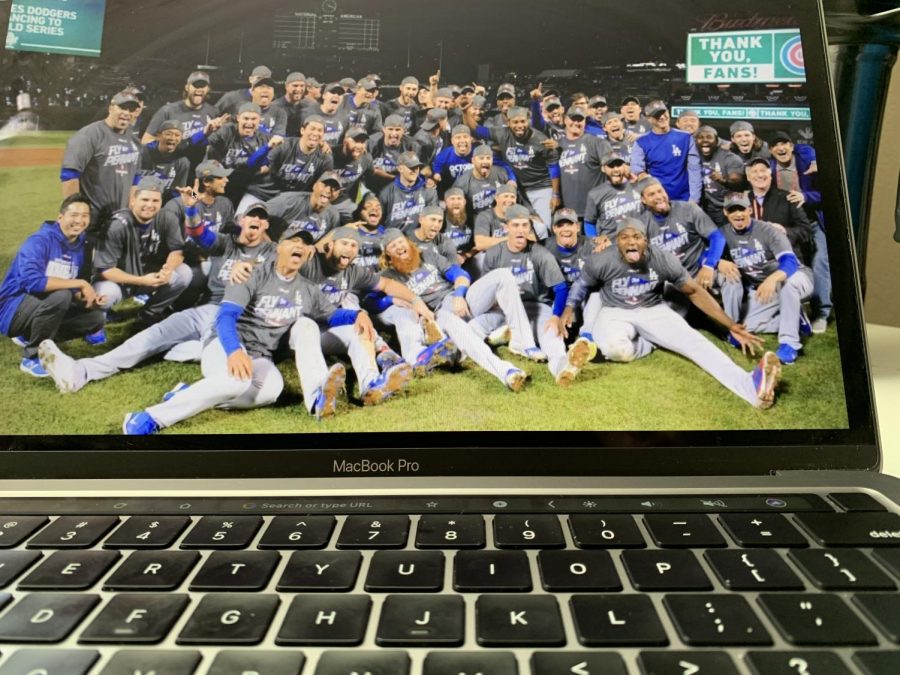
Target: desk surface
[[884, 355]]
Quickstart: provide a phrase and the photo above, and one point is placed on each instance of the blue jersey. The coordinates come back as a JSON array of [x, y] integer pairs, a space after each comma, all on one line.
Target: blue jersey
[[666, 158], [451, 166]]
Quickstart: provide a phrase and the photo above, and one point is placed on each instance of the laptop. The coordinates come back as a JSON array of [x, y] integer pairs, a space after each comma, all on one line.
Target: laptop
[[643, 519]]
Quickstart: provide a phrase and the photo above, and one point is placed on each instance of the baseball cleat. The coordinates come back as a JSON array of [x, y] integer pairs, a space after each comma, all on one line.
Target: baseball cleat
[[181, 386], [387, 358], [499, 336], [515, 379], [96, 338], [433, 332], [819, 325], [139, 424], [579, 354], [805, 326], [33, 367], [766, 376], [787, 354], [141, 299], [530, 353], [20, 341], [59, 366], [593, 344], [387, 384], [325, 404], [440, 353]]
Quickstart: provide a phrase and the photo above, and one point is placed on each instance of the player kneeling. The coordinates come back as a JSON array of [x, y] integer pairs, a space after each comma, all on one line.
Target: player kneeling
[[634, 319], [238, 370]]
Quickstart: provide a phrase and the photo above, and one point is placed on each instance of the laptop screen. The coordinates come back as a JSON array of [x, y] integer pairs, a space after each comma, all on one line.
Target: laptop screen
[[301, 228]]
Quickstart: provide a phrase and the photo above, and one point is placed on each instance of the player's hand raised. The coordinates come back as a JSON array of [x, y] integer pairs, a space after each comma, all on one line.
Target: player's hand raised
[[240, 365], [189, 195], [748, 341]]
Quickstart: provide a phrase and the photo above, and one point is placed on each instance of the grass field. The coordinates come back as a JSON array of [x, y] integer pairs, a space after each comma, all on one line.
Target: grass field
[[660, 392]]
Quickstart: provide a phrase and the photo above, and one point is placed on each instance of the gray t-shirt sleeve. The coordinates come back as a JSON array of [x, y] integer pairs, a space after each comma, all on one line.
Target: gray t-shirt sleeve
[[170, 230], [111, 248], [670, 268], [547, 266], [79, 151], [702, 222]]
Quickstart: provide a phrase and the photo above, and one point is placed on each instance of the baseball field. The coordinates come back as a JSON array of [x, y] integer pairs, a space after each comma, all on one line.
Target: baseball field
[[660, 392]]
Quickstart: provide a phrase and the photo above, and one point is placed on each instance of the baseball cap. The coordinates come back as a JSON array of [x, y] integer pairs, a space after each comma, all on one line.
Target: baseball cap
[[433, 118], [390, 235], [644, 183], [740, 125], [409, 159], [151, 183], [454, 192], [632, 223], [331, 177], [409, 79], [631, 99], [263, 82], [611, 115], [482, 149], [334, 88], [736, 199], [479, 101], [432, 211], [198, 76], [170, 124], [313, 118], [466, 88], [759, 159], [655, 108], [249, 107], [506, 189], [706, 129], [780, 137], [375, 77], [357, 133], [443, 92], [257, 207], [347, 82], [313, 83], [261, 71], [296, 232], [124, 97], [517, 111], [506, 89], [611, 158], [517, 212], [597, 101], [367, 84], [461, 129], [690, 112], [551, 93], [212, 168], [295, 77], [454, 90], [565, 214], [345, 232], [552, 103], [393, 121], [572, 113]]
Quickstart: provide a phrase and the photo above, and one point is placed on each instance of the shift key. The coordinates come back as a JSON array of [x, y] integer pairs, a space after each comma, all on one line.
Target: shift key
[[852, 529]]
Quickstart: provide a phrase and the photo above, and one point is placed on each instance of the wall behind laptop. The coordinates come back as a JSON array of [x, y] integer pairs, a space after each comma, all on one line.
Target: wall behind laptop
[[883, 262]]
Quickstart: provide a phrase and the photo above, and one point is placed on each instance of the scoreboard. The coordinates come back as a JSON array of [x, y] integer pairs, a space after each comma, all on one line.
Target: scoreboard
[[325, 31]]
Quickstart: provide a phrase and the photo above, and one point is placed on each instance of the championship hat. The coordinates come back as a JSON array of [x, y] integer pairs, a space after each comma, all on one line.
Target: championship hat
[[198, 76], [312, 118], [295, 77], [259, 208], [597, 101], [479, 101], [576, 112], [517, 212], [706, 129], [517, 111], [393, 121], [780, 137], [689, 112], [409, 159], [261, 71], [313, 83], [345, 232], [433, 118], [367, 84], [461, 129], [631, 99], [565, 214], [740, 125], [357, 133], [123, 98], [506, 188], [646, 182], [263, 82], [348, 83], [334, 88], [249, 108], [506, 89], [391, 235], [152, 184], [169, 125], [444, 92], [454, 192], [432, 211], [296, 232], [612, 157], [409, 79], [655, 108], [467, 89], [759, 159], [212, 168], [333, 177], [611, 115], [552, 103], [633, 223], [482, 149], [733, 199]]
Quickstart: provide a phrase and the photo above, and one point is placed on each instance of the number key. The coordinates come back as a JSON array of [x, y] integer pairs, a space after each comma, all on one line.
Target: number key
[[225, 532], [450, 532], [73, 532], [147, 532], [289, 532], [14, 529], [514, 531], [374, 532]]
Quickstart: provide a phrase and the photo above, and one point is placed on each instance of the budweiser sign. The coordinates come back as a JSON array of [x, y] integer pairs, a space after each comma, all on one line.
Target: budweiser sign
[[725, 21]]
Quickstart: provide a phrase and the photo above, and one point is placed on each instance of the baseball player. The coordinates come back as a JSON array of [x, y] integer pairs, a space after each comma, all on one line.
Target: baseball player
[[746, 144], [580, 158], [539, 279], [405, 104], [272, 118], [309, 211], [427, 234], [193, 113], [231, 101], [506, 99], [635, 123], [385, 148], [614, 126], [294, 91], [669, 155], [368, 223], [722, 172], [215, 208], [44, 294], [432, 137], [101, 160], [608, 202], [354, 165], [361, 108], [454, 161], [688, 121], [547, 113], [165, 159], [405, 197], [336, 120], [238, 370], [228, 254], [597, 107], [298, 162], [458, 227], [490, 226], [769, 284], [141, 249], [480, 185], [446, 290], [634, 320]]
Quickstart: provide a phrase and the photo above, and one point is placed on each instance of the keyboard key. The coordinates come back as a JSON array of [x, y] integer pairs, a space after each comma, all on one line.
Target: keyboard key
[[555, 663], [578, 571], [70, 570], [883, 609], [495, 571], [321, 571], [450, 532], [222, 532], [753, 571], [45, 617], [364, 663], [289, 532], [524, 531], [147, 532], [762, 530], [815, 619], [683, 531], [605, 531], [422, 621], [152, 571], [715, 620], [458, 663], [16, 529], [73, 532], [665, 571], [14, 563], [229, 619], [679, 663], [878, 663], [616, 621], [369, 532], [50, 662], [329, 620], [852, 529], [159, 661], [890, 558], [518, 621], [792, 663], [237, 662], [135, 618], [236, 571], [413, 571], [856, 501], [841, 570]]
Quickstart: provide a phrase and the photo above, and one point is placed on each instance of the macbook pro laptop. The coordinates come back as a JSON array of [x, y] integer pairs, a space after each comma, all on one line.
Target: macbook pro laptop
[[643, 519]]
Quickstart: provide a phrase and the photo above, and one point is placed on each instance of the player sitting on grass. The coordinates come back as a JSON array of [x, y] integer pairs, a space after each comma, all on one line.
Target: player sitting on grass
[[634, 319], [237, 365]]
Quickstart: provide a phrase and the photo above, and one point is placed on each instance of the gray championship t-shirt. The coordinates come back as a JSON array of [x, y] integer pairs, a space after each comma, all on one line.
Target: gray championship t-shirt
[[440, 245], [571, 260], [527, 157], [343, 288], [138, 248], [461, 235], [631, 286], [293, 170], [296, 210], [214, 215], [535, 269], [489, 224], [607, 203], [191, 120], [579, 169], [370, 249], [428, 281], [403, 205], [684, 232], [170, 169], [725, 162], [480, 192], [755, 250], [224, 253]]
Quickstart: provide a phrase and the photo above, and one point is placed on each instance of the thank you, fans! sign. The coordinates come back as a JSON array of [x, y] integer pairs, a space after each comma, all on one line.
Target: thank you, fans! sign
[[763, 56]]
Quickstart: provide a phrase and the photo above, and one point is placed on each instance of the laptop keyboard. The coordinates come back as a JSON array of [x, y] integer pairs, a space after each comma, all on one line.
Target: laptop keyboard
[[796, 584]]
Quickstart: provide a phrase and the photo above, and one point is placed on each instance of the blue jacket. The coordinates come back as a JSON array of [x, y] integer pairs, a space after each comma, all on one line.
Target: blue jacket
[[804, 155], [45, 253]]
